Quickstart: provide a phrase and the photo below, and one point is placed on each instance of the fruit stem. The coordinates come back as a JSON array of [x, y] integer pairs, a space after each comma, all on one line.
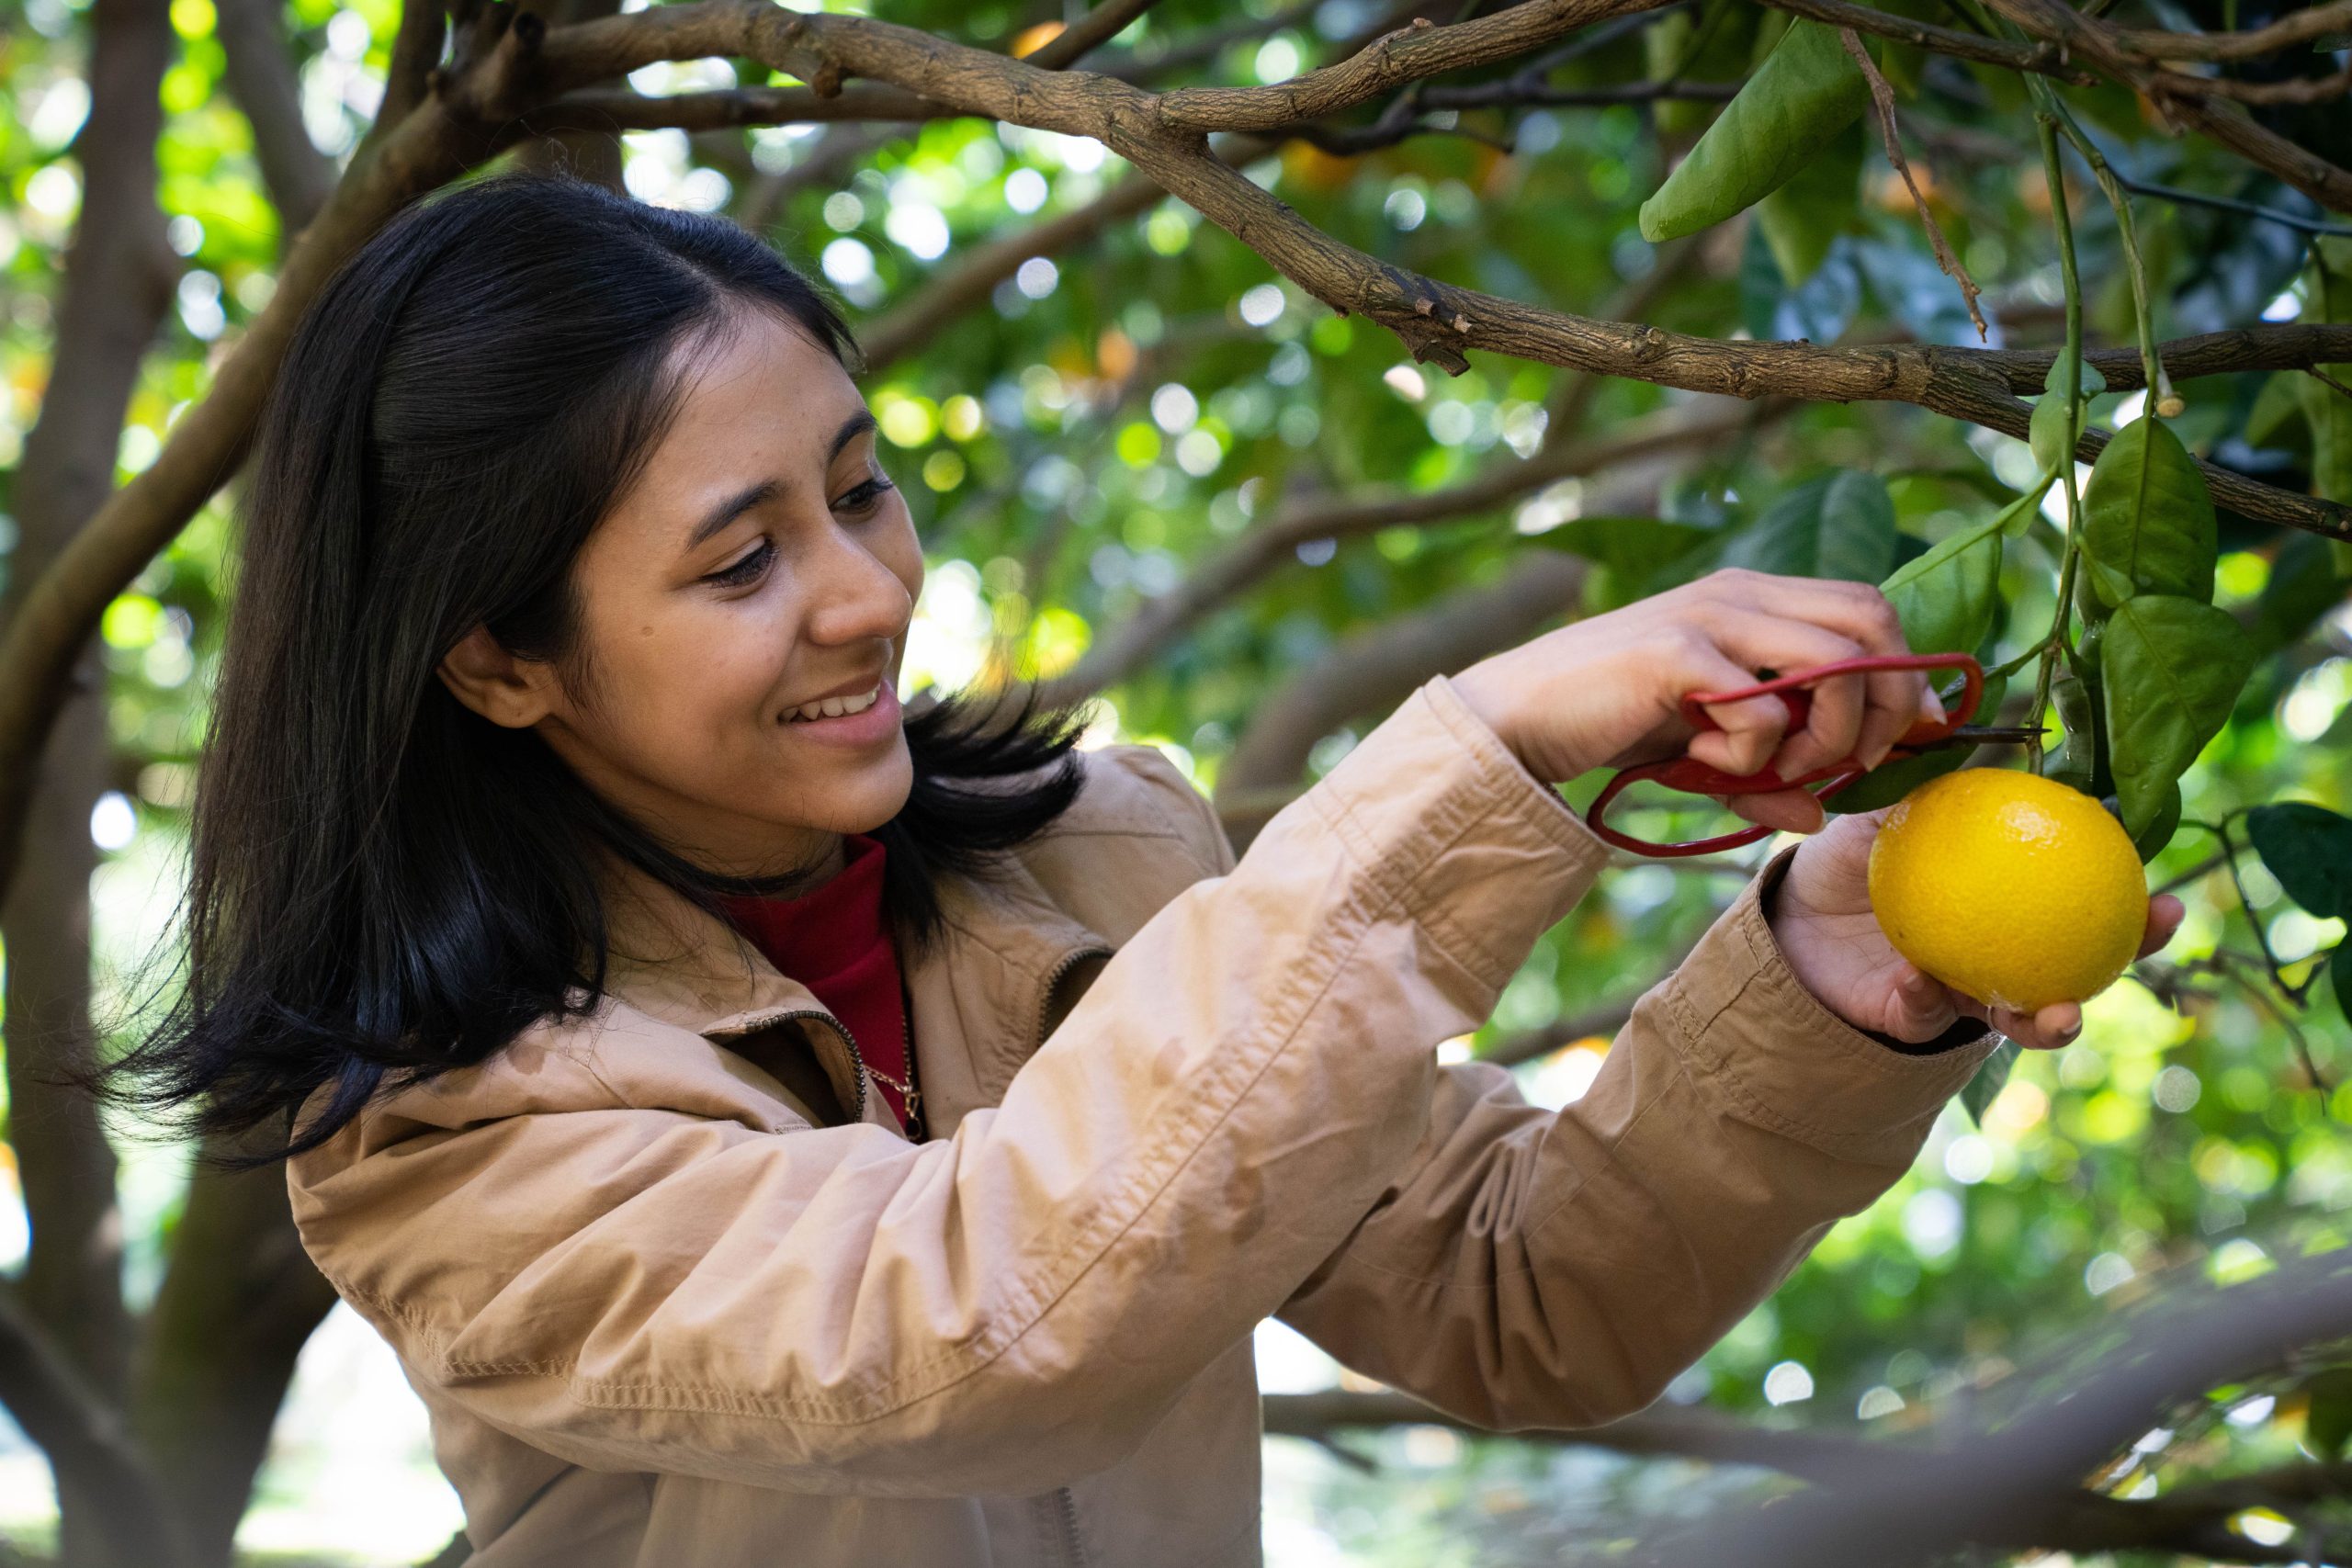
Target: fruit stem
[[2062, 223]]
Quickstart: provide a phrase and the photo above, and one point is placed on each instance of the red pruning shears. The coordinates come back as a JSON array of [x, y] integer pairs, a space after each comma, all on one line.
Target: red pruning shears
[[1694, 778]]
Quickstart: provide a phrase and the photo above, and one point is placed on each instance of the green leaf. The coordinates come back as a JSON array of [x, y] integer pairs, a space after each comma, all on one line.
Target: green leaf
[[1803, 219], [2309, 849], [2148, 523], [2170, 669], [2048, 432], [1945, 597], [2328, 1424], [2150, 839], [1985, 1087], [1641, 554], [2081, 762], [1840, 525], [2328, 411], [1887, 784], [2306, 582], [1807, 92], [2277, 417]]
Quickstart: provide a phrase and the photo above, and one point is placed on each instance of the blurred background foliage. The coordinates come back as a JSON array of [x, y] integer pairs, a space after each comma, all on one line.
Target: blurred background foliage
[[1109, 416]]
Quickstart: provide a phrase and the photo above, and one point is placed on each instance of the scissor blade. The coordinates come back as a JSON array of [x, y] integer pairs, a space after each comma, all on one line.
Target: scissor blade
[[1993, 735]]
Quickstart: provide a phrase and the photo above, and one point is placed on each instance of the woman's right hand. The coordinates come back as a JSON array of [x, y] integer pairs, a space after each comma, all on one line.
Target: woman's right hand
[[1606, 691]]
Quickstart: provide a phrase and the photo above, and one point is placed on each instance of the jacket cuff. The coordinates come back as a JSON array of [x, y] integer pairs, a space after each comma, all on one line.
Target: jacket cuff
[[1481, 854], [1770, 1052]]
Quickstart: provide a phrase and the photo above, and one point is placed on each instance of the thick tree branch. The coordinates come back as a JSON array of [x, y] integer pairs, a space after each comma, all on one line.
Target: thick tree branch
[[1217, 581], [2043, 59], [2187, 99], [967, 283], [2012, 1481], [1700, 1435], [1378, 667], [261, 76]]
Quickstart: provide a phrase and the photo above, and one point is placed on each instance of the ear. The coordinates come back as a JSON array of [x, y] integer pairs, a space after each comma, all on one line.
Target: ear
[[508, 691]]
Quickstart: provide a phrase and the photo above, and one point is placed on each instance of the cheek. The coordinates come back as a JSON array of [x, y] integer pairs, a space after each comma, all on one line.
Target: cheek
[[687, 676]]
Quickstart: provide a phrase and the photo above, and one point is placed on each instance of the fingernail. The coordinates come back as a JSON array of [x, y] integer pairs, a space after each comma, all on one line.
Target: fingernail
[[2069, 1034]]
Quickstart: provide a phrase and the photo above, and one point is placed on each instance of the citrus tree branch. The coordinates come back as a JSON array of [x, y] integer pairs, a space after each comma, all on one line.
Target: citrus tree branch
[[1157, 623], [2302, 27]]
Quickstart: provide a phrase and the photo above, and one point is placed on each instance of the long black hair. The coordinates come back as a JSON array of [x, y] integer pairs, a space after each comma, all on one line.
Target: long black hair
[[383, 885]]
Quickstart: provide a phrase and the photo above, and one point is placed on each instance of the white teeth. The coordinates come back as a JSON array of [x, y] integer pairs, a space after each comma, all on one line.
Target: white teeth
[[835, 707]]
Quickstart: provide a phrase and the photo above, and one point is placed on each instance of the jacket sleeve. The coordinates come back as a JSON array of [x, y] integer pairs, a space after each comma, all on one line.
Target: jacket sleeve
[[1531, 1269], [1004, 1310]]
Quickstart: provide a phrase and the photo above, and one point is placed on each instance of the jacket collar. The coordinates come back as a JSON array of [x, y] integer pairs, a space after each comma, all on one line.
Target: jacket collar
[[981, 993]]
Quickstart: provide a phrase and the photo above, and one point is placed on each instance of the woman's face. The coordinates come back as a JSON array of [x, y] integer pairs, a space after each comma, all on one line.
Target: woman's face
[[762, 564]]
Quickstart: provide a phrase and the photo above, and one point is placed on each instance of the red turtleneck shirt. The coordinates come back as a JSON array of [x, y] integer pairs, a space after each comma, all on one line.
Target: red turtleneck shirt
[[835, 941]]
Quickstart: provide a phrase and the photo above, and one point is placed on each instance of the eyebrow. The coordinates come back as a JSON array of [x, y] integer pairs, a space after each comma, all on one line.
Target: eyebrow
[[765, 491]]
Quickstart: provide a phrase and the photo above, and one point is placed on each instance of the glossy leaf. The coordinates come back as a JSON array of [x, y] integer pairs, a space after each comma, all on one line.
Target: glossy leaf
[[2309, 849], [2306, 582], [2048, 432], [2148, 523], [2327, 410], [2327, 1425], [1945, 597], [1885, 785], [1840, 525], [2081, 762], [2170, 670], [1641, 554], [1807, 91], [1802, 219], [1991, 1076]]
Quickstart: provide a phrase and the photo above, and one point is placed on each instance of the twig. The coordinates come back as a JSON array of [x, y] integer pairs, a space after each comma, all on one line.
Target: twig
[[1082, 36], [2296, 27], [1882, 96], [2231, 204], [2306, 90]]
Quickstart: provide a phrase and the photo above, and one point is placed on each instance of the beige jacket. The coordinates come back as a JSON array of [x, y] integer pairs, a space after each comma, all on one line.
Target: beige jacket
[[676, 1290]]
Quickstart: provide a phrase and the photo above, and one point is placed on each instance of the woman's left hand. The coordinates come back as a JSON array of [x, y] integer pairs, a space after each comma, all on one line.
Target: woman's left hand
[[1821, 917]]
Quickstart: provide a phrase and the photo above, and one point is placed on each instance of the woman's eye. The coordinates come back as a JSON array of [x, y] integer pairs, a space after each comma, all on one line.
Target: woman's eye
[[745, 571], [865, 497]]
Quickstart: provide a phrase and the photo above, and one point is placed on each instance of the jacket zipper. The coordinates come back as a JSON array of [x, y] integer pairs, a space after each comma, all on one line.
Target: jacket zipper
[[857, 1057], [1057, 1521], [1069, 961]]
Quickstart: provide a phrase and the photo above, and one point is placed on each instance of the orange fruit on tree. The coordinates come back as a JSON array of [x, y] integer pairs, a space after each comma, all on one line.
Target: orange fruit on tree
[[2009, 888]]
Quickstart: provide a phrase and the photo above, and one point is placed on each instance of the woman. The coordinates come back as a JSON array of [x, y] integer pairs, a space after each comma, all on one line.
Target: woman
[[772, 1127]]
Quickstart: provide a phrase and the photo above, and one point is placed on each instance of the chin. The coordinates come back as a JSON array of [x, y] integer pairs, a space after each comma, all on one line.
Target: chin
[[865, 798]]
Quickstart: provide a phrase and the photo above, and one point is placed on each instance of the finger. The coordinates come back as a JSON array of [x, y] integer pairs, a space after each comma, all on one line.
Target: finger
[[2049, 1029], [1754, 639], [1751, 730], [2163, 918], [1784, 811], [1893, 705], [1862, 614], [1924, 1006]]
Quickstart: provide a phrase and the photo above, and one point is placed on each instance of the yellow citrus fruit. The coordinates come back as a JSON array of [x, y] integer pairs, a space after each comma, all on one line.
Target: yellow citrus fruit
[[2009, 887]]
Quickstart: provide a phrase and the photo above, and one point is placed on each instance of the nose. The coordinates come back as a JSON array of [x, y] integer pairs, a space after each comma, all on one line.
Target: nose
[[854, 594]]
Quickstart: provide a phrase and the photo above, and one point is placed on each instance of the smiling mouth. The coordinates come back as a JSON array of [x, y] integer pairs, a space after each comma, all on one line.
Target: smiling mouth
[[834, 708]]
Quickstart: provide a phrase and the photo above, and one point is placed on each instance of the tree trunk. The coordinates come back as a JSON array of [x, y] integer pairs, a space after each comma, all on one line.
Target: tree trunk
[[239, 1303], [116, 287]]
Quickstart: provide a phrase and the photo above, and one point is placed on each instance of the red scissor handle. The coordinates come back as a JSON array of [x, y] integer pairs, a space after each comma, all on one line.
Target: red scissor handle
[[1694, 778]]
